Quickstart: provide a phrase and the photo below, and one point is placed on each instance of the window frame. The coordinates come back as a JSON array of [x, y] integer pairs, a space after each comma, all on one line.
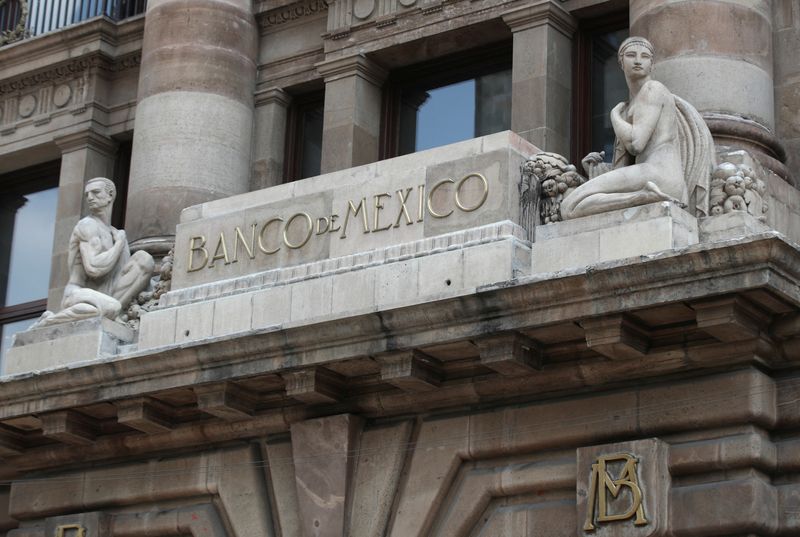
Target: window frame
[[433, 74], [293, 152], [588, 30]]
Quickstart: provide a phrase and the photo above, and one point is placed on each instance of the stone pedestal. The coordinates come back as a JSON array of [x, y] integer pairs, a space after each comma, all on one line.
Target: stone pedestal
[[62, 344], [193, 132], [613, 235]]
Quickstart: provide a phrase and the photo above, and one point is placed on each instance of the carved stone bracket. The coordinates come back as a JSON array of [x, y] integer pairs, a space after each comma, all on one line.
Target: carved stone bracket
[[144, 414], [313, 386], [618, 337], [69, 427], [729, 318], [410, 371], [226, 401], [510, 353]]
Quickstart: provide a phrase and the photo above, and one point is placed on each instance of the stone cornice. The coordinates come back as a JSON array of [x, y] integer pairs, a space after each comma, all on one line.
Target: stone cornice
[[70, 69], [358, 65], [92, 36], [272, 95], [545, 12]]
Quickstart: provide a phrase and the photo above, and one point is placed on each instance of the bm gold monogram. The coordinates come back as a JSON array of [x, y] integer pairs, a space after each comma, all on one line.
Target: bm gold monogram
[[602, 483]]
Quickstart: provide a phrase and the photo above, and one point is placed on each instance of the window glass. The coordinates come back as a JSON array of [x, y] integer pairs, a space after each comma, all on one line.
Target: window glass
[[311, 140], [432, 117], [608, 88], [31, 230], [8, 330]]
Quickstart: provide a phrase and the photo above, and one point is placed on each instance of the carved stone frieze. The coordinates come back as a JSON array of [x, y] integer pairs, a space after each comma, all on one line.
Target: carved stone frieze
[[291, 12], [37, 96]]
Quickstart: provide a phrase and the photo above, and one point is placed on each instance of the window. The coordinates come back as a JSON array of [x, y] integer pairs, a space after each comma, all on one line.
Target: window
[[600, 85], [28, 201], [304, 137], [446, 101]]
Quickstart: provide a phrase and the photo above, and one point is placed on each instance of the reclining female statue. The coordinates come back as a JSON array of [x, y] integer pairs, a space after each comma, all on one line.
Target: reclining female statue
[[663, 149]]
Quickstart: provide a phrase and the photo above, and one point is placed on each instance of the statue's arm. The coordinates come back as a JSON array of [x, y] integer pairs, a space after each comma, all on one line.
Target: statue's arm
[[96, 262], [636, 134]]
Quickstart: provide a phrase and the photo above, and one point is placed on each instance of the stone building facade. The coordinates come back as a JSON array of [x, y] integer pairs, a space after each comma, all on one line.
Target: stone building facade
[[355, 336]]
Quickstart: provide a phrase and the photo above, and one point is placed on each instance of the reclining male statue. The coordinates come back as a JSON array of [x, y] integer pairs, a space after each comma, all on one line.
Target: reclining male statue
[[663, 149], [103, 275]]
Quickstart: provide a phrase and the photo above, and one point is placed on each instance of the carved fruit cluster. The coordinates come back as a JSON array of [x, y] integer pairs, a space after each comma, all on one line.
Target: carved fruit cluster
[[735, 187]]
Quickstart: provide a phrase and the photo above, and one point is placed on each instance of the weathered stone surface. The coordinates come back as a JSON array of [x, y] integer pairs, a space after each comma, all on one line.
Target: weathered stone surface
[[324, 461], [613, 235], [66, 343]]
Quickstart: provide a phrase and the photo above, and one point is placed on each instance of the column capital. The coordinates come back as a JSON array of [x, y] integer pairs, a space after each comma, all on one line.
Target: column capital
[[545, 12], [85, 140], [272, 95], [358, 65]]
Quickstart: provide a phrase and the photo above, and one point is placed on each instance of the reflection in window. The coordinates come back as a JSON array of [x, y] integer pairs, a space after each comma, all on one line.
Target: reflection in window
[[432, 117], [26, 276], [28, 202], [607, 88]]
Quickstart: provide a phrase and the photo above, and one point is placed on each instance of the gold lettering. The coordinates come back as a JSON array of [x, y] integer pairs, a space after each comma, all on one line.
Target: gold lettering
[[261, 236], [332, 229], [197, 248], [403, 208], [308, 234], [250, 248], [430, 199], [320, 230], [601, 483], [80, 531], [421, 203], [376, 216], [362, 208], [483, 196], [220, 252]]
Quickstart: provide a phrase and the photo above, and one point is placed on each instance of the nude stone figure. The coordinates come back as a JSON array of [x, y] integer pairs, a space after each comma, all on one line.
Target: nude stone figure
[[663, 150], [103, 275]]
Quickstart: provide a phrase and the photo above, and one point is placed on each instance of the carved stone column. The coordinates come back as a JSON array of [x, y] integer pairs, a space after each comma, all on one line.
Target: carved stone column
[[84, 155], [718, 56], [193, 130], [351, 129], [270, 137], [542, 74]]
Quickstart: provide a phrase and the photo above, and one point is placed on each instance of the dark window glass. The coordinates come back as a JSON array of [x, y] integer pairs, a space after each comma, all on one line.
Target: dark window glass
[[599, 83], [304, 137], [608, 89]]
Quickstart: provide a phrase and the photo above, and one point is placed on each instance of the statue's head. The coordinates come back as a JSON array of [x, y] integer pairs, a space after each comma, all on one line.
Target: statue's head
[[100, 193], [636, 56]]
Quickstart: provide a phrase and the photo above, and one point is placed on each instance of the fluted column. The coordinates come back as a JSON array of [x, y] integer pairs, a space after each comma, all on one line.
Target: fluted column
[[193, 131], [718, 56]]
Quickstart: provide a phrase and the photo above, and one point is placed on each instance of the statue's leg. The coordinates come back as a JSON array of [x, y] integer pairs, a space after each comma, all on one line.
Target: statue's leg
[[134, 278], [82, 304], [617, 189]]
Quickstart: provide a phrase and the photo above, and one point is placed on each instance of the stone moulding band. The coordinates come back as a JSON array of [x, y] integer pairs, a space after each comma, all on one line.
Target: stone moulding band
[[449, 241]]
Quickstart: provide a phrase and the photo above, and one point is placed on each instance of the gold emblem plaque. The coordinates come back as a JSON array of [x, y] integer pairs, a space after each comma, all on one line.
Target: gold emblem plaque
[[62, 531], [602, 484]]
